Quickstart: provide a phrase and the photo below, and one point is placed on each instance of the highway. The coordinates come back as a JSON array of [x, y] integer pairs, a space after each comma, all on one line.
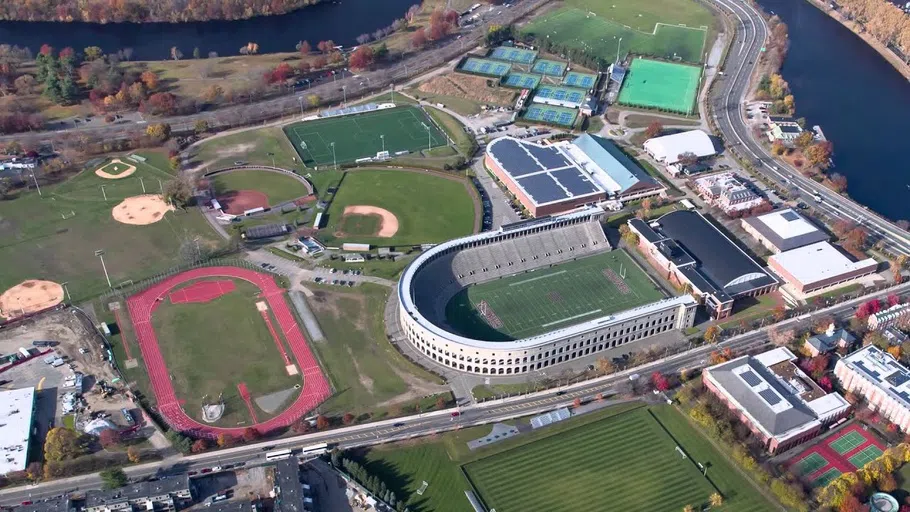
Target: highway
[[727, 101], [432, 423]]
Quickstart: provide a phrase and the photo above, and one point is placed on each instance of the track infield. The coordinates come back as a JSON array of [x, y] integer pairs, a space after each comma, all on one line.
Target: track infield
[[361, 135], [628, 458], [540, 301], [661, 85], [225, 345]]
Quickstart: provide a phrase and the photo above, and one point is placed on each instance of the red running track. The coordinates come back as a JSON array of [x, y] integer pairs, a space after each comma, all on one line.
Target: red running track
[[203, 291], [142, 306], [245, 395]]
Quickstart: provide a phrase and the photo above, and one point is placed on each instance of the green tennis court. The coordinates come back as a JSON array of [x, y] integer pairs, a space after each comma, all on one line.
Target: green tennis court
[[661, 85], [363, 135], [810, 464], [865, 456], [847, 442], [825, 478], [549, 114], [521, 80], [485, 67]]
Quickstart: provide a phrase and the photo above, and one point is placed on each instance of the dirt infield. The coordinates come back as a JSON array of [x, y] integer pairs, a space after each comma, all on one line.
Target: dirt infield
[[388, 224], [30, 296], [124, 169], [141, 210], [473, 88], [236, 202]]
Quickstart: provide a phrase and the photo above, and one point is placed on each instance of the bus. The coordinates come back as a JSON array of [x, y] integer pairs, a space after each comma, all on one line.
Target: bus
[[278, 455], [314, 450]]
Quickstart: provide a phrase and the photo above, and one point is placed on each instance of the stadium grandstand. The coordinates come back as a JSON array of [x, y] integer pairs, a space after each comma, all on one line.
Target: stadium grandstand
[[548, 247]]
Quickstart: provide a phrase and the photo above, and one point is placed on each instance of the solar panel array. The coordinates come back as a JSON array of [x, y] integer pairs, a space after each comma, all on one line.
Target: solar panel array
[[770, 396], [576, 79], [750, 378], [486, 67]]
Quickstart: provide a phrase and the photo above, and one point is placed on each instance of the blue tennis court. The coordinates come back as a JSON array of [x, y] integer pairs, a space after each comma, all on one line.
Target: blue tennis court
[[486, 67], [583, 80], [550, 114], [560, 93], [549, 67], [511, 54], [521, 80]]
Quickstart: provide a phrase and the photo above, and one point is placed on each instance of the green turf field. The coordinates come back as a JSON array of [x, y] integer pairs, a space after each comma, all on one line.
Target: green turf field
[[360, 135], [660, 85], [628, 461], [277, 186], [430, 208], [211, 347], [536, 302], [54, 236], [574, 28], [847, 442]]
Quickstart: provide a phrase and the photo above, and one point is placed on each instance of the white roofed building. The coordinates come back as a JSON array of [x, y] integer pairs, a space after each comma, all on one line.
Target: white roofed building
[[889, 317], [667, 149], [780, 403], [881, 380], [819, 265], [17, 408], [783, 230]]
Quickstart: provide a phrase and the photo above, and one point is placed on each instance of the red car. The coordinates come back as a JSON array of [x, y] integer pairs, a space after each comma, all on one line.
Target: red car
[[456, 413], [26, 502]]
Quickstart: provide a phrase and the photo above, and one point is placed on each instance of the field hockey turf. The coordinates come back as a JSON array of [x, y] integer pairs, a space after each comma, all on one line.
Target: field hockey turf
[[661, 85], [543, 300]]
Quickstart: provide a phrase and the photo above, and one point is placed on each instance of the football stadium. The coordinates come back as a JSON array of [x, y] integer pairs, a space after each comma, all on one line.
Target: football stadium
[[507, 302]]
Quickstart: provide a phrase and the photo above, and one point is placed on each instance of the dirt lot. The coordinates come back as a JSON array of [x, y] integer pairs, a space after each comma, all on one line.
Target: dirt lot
[[244, 484], [473, 88]]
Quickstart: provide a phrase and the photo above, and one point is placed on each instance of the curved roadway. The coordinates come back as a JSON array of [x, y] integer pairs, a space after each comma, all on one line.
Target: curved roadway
[[727, 101]]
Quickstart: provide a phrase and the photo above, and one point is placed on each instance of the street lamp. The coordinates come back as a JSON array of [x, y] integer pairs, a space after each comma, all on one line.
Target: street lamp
[[100, 254], [344, 91], [334, 160], [300, 102], [273, 158]]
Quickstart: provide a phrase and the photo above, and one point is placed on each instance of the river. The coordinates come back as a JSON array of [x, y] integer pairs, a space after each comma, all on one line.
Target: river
[[861, 102], [340, 21]]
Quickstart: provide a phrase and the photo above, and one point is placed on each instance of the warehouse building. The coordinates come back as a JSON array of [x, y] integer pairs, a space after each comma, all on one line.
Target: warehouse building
[[667, 149], [783, 230], [17, 411], [882, 381], [821, 265], [777, 401]]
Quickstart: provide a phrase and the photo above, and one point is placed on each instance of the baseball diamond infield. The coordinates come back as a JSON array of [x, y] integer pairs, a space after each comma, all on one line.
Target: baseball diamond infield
[[115, 170], [388, 222], [30, 296], [141, 308], [141, 210]]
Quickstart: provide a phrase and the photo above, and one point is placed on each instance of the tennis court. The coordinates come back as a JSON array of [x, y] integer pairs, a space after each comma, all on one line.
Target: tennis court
[[571, 96], [865, 456], [847, 442], [521, 80], [511, 54], [810, 464], [825, 478], [583, 80], [661, 85], [485, 67], [553, 115], [549, 67], [363, 135]]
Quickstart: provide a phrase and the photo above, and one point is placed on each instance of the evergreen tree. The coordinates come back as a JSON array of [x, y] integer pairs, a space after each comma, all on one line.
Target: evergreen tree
[[68, 90], [52, 88]]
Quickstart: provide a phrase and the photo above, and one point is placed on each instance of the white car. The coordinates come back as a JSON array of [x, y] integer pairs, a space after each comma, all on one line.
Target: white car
[[82, 350]]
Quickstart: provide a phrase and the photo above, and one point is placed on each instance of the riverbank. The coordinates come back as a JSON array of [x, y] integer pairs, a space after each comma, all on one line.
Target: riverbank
[[858, 29]]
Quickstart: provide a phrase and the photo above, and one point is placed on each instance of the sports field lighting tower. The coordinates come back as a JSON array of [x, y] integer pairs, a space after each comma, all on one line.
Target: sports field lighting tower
[[344, 91], [100, 254], [36, 183], [334, 160], [383, 142], [429, 136], [67, 291]]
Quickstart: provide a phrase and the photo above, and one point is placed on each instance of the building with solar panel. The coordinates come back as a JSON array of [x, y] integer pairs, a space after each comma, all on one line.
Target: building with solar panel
[[881, 380], [266, 231], [779, 403], [562, 176]]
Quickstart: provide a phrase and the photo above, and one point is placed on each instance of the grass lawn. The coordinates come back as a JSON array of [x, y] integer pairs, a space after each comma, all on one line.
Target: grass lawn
[[347, 138], [235, 346], [463, 106], [463, 140], [364, 367], [39, 243], [430, 207], [642, 16], [532, 303], [277, 186], [752, 310], [643, 120], [260, 146]]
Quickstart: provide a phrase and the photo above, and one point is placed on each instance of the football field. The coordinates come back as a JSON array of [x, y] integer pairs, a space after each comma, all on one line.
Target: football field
[[363, 135], [546, 299]]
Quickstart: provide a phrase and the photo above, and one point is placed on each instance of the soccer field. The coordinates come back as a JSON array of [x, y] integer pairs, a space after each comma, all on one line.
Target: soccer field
[[362, 135], [626, 462], [662, 85], [540, 301]]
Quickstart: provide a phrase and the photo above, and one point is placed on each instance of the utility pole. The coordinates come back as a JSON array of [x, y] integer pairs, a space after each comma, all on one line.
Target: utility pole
[[100, 254], [36, 183]]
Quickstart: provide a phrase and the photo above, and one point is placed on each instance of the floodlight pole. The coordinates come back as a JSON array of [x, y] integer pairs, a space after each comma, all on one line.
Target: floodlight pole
[[392, 92], [100, 254], [36, 183], [161, 187], [300, 102], [334, 160], [273, 158], [67, 290], [617, 49], [383, 142], [103, 193], [429, 136], [143, 184], [344, 91]]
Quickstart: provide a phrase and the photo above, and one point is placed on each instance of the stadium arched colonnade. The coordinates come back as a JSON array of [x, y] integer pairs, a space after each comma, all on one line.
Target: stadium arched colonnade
[[435, 276]]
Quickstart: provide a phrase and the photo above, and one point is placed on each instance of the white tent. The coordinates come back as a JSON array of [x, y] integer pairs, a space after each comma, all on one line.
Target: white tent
[[667, 149]]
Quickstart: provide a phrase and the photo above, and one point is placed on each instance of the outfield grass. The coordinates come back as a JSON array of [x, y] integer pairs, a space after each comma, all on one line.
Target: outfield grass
[[660, 85], [261, 146], [463, 140], [628, 458], [363, 366], [361, 135], [430, 208], [39, 243], [277, 186], [642, 16], [535, 302], [212, 347]]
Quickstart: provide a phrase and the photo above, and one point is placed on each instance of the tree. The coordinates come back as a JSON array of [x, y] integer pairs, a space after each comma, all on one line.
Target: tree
[[605, 366], [887, 483], [159, 132], [838, 182], [362, 58], [781, 337], [34, 471], [160, 103], [348, 418], [576, 403], [654, 129], [225, 440], [109, 437], [92, 53], [659, 381], [300, 426], [688, 508], [212, 93], [441, 402], [819, 154], [201, 126], [687, 159], [68, 90], [326, 46], [176, 54], [712, 333], [804, 140], [63, 443], [150, 79], [24, 84], [179, 191], [779, 312], [180, 442], [250, 434], [876, 338], [418, 39], [716, 500], [196, 53], [304, 48], [778, 147], [856, 238], [313, 100], [322, 422], [114, 478], [133, 455]]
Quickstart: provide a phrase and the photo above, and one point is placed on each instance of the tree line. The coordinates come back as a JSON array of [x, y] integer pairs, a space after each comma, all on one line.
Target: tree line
[[368, 480], [172, 11], [884, 21]]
